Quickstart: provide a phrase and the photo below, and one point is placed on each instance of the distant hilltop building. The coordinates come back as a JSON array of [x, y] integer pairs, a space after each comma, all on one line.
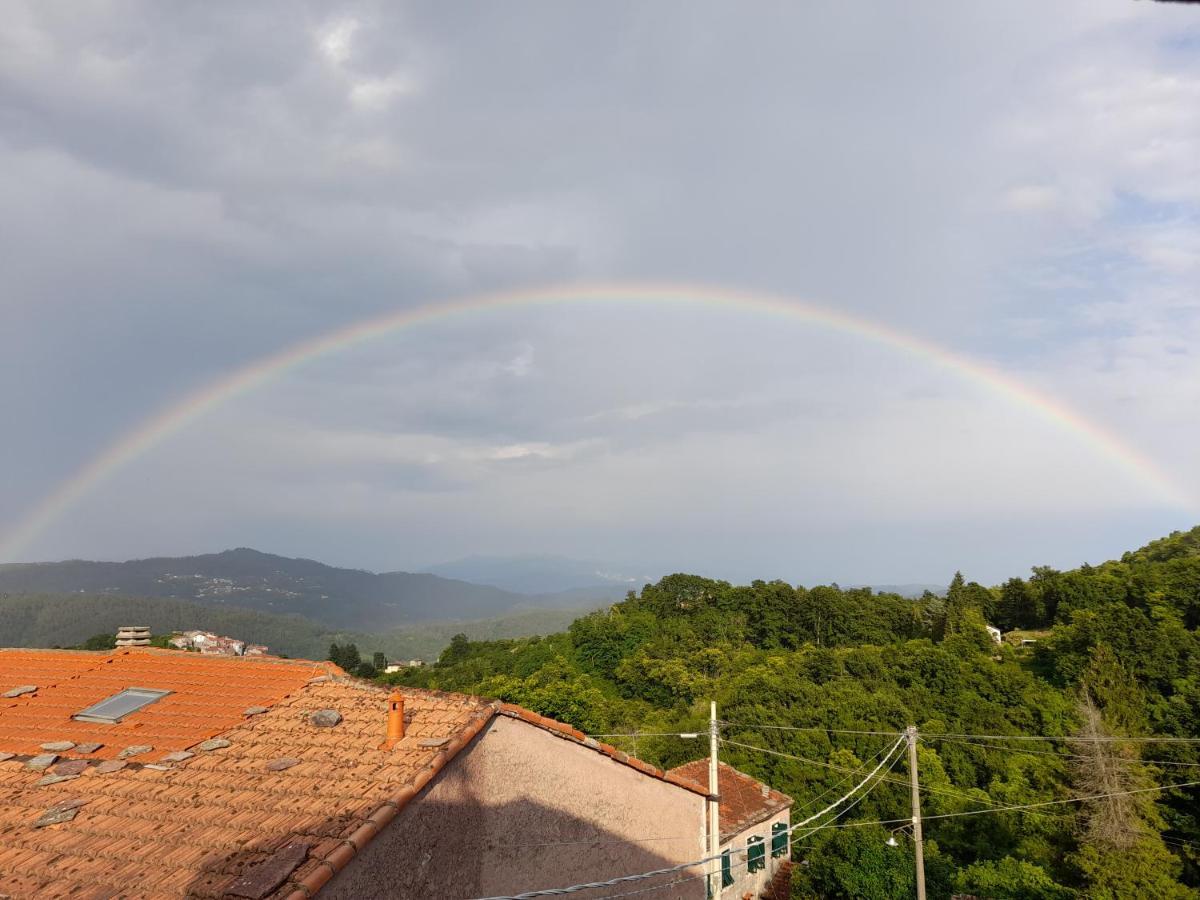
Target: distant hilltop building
[[397, 666], [214, 644]]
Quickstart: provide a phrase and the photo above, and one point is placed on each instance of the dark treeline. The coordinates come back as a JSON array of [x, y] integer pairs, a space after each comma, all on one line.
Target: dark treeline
[[1116, 657]]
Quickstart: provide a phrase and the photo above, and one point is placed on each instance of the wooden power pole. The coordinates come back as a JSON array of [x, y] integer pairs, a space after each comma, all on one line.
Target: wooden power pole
[[918, 842], [714, 823]]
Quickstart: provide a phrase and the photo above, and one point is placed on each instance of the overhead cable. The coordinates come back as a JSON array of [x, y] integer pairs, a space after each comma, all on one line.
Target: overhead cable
[[815, 762], [811, 728], [1054, 753], [1068, 738]]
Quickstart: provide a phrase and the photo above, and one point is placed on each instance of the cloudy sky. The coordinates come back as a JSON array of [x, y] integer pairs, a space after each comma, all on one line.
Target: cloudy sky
[[186, 188]]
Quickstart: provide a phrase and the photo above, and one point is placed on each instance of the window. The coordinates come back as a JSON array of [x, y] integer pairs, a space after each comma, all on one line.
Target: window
[[779, 839], [112, 710], [726, 869], [756, 854]]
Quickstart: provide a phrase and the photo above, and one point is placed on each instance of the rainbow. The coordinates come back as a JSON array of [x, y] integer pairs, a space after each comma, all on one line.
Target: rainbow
[[200, 402]]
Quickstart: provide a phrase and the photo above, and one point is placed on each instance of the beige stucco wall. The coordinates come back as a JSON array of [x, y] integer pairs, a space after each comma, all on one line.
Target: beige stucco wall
[[519, 809], [745, 881]]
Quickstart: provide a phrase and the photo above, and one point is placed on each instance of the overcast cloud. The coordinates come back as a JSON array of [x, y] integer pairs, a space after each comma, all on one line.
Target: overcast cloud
[[187, 187]]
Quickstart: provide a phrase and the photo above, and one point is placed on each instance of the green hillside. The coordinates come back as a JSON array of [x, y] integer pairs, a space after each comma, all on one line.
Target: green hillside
[[262, 582], [800, 674], [49, 620]]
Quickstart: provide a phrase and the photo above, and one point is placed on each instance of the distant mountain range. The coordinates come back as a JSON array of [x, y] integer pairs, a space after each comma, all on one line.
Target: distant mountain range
[[338, 598], [543, 574]]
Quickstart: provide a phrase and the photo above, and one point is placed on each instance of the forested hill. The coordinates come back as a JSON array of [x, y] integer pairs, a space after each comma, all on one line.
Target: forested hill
[[795, 671], [40, 620], [248, 579]]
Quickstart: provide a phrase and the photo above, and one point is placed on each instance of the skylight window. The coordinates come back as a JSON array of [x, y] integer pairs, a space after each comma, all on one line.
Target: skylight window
[[112, 710]]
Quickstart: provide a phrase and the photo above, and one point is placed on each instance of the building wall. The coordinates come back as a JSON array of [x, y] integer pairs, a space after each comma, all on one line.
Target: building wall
[[519, 809], [746, 882]]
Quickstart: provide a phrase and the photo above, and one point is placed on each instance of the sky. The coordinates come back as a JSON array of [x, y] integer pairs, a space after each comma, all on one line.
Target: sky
[[188, 188]]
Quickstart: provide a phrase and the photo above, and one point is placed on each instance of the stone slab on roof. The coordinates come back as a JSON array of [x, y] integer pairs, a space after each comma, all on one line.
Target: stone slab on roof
[[745, 801]]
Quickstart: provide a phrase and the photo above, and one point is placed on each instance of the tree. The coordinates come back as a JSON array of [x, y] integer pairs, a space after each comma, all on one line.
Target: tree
[[379, 661], [458, 649], [346, 656], [1017, 607], [1009, 879], [1121, 855]]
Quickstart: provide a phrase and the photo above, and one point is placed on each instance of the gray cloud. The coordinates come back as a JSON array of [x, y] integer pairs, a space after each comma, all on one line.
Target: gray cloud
[[186, 189]]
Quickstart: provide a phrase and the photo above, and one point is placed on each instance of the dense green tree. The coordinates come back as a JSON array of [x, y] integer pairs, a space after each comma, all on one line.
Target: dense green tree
[[793, 667]]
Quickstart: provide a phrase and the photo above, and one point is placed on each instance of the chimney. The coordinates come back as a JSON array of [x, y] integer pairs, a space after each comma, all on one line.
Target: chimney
[[133, 636], [395, 720]]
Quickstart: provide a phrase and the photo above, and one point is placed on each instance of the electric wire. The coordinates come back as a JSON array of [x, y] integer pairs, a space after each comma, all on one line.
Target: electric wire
[[1075, 740], [840, 813], [840, 782], [1024, 806], [1057, 755], [811, 728], [925, 787]]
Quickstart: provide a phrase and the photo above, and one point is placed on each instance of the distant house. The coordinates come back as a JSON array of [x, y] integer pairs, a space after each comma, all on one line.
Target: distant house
[[214, 644], [994, 632], [234, 777], [398, 666]]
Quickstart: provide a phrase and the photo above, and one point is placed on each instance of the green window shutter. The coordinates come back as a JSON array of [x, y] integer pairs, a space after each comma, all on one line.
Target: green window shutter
[[726, 869], [756, 854], [779, 839]]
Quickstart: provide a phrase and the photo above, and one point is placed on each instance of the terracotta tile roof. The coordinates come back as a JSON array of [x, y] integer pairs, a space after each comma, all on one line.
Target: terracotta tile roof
[[745, 801], [207, 696], [194, 827], [271, 809]]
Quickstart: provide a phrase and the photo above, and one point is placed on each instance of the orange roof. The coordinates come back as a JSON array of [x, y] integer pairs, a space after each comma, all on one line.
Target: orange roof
[[208, 696], [275, 795], [745, 801]]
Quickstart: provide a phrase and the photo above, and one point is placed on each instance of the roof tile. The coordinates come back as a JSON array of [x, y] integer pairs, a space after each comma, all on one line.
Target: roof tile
[[744, 801]]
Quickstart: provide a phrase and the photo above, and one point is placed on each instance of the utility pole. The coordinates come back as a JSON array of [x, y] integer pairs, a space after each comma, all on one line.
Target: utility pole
[[714, 807], [918, 843]]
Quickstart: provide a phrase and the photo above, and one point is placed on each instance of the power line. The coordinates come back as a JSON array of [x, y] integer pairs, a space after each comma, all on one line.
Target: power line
[[658, 887], [1025, 806], [840, 782], [934, 790], [637, 734], [1075, 740], [854, 789], [811, 729], [838, 815], [1057, 755]]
